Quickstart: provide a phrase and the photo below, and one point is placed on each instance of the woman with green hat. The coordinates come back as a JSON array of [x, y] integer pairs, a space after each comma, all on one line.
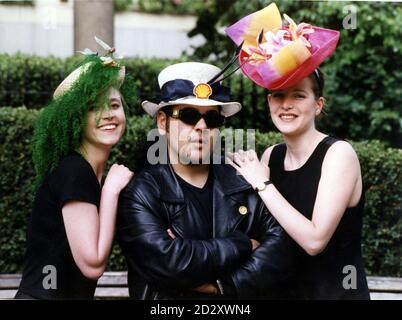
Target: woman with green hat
[[72, 224]]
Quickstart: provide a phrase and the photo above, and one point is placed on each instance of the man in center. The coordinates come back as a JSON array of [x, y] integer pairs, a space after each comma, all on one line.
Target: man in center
[[191, 228]]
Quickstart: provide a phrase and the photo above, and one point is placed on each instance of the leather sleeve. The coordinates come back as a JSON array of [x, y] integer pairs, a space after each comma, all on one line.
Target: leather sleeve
[[268, 267], [162, 261]]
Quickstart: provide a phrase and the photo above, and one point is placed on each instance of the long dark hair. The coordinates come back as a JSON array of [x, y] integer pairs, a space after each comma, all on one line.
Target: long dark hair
[[318, 81]]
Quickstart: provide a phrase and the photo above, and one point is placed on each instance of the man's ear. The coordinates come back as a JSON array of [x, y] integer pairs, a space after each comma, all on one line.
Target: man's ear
[[161, 122]]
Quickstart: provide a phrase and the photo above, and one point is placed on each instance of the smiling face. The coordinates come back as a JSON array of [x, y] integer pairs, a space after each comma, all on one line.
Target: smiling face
[[293, 110], [105, 127], [188, 143]]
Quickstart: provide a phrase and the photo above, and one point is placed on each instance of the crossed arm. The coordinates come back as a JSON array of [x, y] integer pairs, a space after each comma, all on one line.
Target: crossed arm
[[267, 268], [185, 263], [172, 263]]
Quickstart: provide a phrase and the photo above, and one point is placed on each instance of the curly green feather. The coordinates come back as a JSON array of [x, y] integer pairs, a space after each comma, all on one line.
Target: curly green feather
[[60, 126]]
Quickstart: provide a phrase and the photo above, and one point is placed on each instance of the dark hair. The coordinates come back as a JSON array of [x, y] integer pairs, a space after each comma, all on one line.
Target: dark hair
[[318, 81]]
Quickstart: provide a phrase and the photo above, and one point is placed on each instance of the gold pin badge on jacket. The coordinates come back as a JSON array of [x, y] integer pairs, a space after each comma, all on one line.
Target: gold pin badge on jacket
[[243, 210]]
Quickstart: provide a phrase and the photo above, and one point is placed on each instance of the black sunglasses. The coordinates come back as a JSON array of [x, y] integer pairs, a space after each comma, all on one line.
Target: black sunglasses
[[191, 116]]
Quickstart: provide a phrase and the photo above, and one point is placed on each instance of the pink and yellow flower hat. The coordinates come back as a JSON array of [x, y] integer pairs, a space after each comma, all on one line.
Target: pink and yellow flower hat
[[277, 55]]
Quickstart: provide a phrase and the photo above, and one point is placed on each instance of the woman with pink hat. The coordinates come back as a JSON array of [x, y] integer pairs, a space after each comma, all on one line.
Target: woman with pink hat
[[312, 183]]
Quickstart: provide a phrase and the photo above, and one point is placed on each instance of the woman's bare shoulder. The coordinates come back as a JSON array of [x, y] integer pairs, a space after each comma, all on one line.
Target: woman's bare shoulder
[[267, 154], [341, 149], [341, 155]]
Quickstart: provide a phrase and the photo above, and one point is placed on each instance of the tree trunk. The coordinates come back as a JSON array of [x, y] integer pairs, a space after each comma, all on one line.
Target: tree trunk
[[93, 18]]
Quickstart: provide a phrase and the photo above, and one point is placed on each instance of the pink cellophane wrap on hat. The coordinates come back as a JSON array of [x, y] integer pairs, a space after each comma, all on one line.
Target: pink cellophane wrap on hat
[[286, 54]]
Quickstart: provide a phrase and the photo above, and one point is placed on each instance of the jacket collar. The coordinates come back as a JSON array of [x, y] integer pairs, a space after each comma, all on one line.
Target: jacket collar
[[170, 187], [225, 178], [229, 179]]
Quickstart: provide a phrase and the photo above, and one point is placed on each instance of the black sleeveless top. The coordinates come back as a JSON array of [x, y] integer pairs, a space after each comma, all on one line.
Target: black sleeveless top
[[337, 272]]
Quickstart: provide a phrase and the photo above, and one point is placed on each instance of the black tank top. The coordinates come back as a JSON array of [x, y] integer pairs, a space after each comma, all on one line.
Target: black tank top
[[337, 272]]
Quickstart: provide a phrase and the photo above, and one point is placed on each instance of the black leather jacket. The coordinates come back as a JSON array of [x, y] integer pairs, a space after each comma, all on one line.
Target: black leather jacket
[[162, 268]]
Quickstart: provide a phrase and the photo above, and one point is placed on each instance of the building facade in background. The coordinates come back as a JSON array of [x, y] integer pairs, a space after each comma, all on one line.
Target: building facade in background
[[47, 28]]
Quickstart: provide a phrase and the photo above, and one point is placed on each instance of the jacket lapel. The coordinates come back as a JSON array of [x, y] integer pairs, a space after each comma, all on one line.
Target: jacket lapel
[[171, 192], [229, 199]]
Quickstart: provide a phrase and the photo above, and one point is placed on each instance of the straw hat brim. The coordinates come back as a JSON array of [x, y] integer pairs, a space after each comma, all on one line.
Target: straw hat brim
[[68, 82]]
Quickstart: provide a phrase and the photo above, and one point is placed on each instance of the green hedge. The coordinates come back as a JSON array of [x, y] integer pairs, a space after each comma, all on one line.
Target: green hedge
[[179, 7], [381, 169], [18, 2], [29, 81]]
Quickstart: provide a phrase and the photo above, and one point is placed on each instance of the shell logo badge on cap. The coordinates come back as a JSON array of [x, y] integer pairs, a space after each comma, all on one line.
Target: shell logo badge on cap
[[202, 91]]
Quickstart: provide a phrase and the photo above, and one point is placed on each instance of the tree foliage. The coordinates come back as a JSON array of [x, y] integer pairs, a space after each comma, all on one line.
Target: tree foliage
[[364, 95]]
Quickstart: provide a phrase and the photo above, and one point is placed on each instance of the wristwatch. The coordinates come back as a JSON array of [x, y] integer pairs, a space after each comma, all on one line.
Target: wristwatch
[[262, 185]]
